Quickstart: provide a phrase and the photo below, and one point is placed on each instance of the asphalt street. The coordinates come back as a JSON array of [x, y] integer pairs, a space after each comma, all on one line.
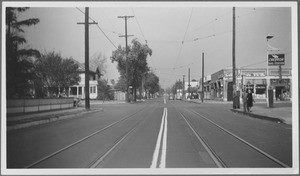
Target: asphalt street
[[155, 133]]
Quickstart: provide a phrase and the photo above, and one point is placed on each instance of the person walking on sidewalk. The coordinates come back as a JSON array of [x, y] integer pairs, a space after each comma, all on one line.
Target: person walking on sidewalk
[[244, 98], [249, 100]]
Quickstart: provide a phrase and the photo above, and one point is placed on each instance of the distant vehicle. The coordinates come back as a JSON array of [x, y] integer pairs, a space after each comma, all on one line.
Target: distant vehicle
[[179, 94], [171, 97]]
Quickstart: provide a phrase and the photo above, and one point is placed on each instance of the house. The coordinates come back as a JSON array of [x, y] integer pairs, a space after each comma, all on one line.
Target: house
[[79, 90]]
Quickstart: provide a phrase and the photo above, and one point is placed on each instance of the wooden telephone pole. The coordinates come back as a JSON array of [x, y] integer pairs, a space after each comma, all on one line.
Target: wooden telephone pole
[[87, 70], [127, 75], [183, 87], [202, 81]]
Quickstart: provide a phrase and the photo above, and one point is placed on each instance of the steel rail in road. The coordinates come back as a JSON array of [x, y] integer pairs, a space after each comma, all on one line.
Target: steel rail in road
[[83, 139], [243, 141], [217, 160], [97, 162], [272, 158]]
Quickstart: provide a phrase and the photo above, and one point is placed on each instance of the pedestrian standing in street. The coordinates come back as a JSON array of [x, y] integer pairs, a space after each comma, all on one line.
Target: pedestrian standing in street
[[249, 100], [244, 98]]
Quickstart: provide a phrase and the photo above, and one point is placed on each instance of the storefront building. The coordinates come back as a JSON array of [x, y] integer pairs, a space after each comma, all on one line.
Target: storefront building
[[220, 84]]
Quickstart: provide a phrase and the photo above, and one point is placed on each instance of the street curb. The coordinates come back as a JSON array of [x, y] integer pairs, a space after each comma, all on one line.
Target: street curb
[[273, 119], [51, 119], [207, 102]]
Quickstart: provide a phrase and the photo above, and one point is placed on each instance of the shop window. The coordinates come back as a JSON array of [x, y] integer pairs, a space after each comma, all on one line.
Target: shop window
[[260, 89]]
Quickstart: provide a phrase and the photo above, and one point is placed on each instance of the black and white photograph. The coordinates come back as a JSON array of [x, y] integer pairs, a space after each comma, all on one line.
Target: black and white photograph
[[149, 88]]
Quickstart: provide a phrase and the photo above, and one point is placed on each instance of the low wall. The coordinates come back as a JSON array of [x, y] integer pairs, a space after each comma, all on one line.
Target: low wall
[[37, 105]]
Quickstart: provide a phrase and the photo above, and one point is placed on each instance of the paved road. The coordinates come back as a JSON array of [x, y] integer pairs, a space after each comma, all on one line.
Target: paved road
[[153, 134]]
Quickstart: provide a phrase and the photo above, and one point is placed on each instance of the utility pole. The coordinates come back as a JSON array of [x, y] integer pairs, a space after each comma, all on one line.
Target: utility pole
[[127, 75], [233, 48], [202, 93], [87, 70], [233, 60], [189, 91], [280, 80], [183, 88]]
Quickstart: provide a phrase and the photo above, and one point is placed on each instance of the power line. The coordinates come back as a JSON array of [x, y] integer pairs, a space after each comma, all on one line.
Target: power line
[[99, 28], [184, 37], [136, 19], [216, 19], [187, 26], [139, 25]]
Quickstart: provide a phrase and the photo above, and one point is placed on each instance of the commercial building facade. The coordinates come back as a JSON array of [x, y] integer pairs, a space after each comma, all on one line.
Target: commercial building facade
[[219, 85]]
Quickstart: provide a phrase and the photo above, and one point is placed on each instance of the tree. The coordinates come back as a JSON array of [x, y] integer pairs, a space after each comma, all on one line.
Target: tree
[[121, 84], [19, 64], [137, 63], [98, 61], [55, 73], [168, 90], [152, 83], [104, 90], [177, 85]]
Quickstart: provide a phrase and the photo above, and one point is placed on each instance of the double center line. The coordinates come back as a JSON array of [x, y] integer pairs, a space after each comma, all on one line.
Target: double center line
[[161, 144]]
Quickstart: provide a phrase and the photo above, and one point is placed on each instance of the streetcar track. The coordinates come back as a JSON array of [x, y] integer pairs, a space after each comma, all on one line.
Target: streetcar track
[[97, 162], [243, 141], [217, 160], [201, 139], [101, 158], [83, 139]]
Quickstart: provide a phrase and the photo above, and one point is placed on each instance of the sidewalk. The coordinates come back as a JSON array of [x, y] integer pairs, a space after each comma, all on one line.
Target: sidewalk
[[18, 121], [280, 113]]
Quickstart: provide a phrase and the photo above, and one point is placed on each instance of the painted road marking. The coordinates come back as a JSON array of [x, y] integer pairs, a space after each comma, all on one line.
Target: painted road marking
[[164, 146], [162, 136]]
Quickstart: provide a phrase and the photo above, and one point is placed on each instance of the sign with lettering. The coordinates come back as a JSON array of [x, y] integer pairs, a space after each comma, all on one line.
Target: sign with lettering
[[254, 73], [260, 86], [276, 59], [275, 82]]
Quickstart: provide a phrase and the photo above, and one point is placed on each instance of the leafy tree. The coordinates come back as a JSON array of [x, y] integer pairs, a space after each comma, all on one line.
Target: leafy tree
[[137, 63], [104, 90], [121, 84], [98, 61], [152, 83], [168, 90], [55, 73], [19, 64], [177, 85]]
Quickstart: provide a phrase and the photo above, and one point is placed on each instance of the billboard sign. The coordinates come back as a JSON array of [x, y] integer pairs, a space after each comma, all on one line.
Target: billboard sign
[[276, 59]]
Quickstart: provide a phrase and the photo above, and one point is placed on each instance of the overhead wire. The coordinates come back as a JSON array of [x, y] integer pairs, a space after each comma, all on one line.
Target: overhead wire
[[98, 28], [136, 19], [138, 25], [181, 46]]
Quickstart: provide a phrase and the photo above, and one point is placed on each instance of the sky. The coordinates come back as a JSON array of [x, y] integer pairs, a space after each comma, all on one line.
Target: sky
[[177, 33]]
